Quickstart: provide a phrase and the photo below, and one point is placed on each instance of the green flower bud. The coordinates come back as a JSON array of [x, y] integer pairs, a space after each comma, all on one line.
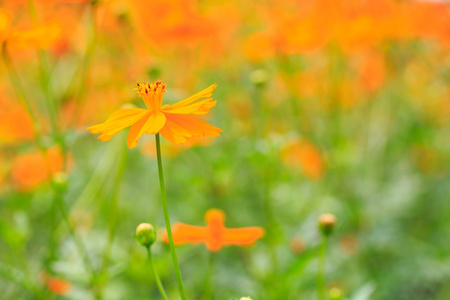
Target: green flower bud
[[335, 293], [259, 77], [145, 234], [327, 223]]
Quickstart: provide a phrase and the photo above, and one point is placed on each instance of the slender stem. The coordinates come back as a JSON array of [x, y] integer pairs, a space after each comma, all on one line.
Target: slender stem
[[79, 244], [155, 275], [321, 269], [167, 219], [209, 280], [113, 213]]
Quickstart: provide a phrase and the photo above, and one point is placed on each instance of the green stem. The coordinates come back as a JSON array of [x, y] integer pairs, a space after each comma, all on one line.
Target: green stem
[[167, 219], [79, 244], [321, 269], [209, 280], [155, 275], [113, 213]]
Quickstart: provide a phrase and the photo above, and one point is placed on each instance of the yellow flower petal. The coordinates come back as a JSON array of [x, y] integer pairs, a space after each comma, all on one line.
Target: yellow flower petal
[[119, 120], [202, 94], [179, 128], [200, 108], [151, 123]]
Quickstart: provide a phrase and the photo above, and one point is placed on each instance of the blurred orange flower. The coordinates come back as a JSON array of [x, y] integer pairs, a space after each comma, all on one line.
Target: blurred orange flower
[[215, 235], [15, 123], [30, 170], [304, 155], [56, 285], [42, 36], [304, 26], [172, 121]]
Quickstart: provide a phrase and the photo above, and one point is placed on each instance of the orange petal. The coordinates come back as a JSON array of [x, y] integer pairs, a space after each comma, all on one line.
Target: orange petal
[[199, 108], [43, 36], [202, 94], [242, 236], [151, 123], [175, 133], [5, 22], [183, 233], [181, 127], [119, 120]]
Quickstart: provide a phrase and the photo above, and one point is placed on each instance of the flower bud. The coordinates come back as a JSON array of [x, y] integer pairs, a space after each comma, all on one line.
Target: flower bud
[[297, 245], [259, 77], [60, 180], [326, 224], [335, 293], [145, 234]]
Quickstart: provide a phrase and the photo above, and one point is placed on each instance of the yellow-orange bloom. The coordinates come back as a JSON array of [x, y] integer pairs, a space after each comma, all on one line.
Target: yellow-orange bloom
[[173, 121], [215, 235], [39, 36], [28, 171], [306, 156], [56, 285]]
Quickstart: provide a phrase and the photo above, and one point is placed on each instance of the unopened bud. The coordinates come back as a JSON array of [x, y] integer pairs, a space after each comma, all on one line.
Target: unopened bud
[[60, 180], [259, 77], [297, 245], [327, 223], [145, 234], [335, 293]]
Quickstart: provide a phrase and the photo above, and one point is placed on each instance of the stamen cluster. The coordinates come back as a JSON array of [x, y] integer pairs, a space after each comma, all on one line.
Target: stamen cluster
[[150, 88]]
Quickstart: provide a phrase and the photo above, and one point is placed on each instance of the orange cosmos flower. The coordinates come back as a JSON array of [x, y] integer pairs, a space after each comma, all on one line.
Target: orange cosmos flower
[[39, 36], [215, 235], [28, 171], [304, 155], [56, 285], [173, 121]]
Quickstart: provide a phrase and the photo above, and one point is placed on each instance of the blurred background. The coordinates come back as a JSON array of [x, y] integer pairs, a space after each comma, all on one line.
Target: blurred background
[[327, 106]]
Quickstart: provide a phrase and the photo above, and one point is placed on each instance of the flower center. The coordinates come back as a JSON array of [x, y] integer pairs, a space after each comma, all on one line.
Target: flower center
[[152, 94]]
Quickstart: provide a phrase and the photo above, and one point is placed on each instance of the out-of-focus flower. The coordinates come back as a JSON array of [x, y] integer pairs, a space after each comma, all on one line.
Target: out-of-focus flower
[[215, 235], [304, 155], [301, 27], [327, 223], [335, 293], [428, 160], [348, 244], [39, 36], [15, 123], [172, 121], [245, 298], [56, 285], [30, 170], [297, 245], [371, 70], [180, 23]]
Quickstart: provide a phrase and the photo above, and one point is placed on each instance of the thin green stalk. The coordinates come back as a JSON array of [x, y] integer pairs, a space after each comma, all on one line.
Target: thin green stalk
[[209, 282], [155, 275], [321, 269], [79, 244], [167, 219], [113, 212], [20, 91]]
